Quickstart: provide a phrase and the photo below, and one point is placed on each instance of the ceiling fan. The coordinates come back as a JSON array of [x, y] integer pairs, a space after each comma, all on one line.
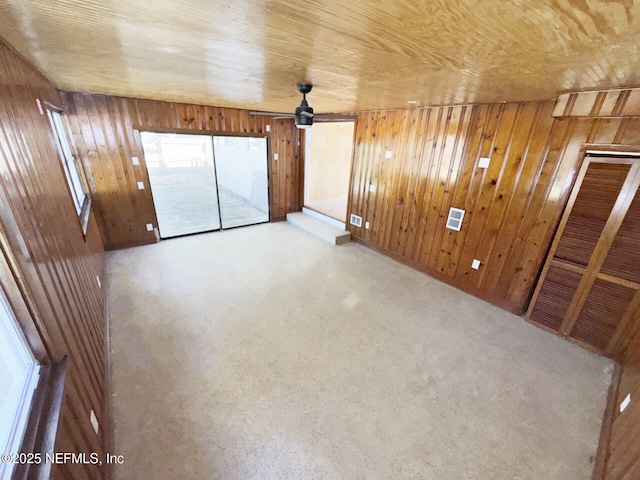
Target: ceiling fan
[[304, 115]]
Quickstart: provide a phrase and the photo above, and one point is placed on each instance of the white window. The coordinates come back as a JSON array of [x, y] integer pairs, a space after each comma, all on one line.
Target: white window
[[454, 222], [18, 379], [69, 165]]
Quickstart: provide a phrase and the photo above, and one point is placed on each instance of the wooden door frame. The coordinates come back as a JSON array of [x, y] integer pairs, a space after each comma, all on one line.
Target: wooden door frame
[[303, 171], [612, 224]]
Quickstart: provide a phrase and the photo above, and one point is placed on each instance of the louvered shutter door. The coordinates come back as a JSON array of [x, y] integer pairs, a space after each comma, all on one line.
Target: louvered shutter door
[[601, 314], [558, 290], [623, 259], [589, 289], [591, 210]]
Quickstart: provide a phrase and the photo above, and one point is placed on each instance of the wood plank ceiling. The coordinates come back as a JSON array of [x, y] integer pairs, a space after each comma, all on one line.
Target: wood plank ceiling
[[361, 55]]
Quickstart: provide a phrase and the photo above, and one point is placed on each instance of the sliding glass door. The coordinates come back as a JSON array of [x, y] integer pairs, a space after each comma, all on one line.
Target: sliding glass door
[[201, 183], [243, 183], [183, 182]]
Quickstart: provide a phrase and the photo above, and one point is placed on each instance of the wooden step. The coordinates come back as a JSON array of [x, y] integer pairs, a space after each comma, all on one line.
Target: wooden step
[[329, 233]]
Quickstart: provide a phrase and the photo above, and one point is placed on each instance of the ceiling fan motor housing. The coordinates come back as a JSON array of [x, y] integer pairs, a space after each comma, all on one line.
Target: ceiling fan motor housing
[[304, 121]]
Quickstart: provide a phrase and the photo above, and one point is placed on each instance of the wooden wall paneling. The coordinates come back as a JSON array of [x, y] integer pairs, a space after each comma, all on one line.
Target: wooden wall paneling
[[496, 237], [467, 187], [511, 156], [480, 220], [374, 158], [276, 183], [296, 164], [109, 147], [285, 171], [552, 189], [622, 452], [47, 248], [54, 265], [105, 132], [629, 133], [437, 175], [617, 102], [405, 152], [374, 167], [357, 185], [426, 187], [513, 207], [454, 145], [385, 123], [396, 147], [424, 146], [488, 125], [367, 126], [604, 131], [509, 244], [126, 147], [417, 146]]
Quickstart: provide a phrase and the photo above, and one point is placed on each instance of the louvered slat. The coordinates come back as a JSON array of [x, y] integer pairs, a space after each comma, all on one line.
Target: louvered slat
[[605, 306], [623, 259], [555, 296], [598, 194]]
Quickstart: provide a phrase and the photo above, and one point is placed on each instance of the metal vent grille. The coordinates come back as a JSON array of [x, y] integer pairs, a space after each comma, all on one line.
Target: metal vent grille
[[454, 222], [355, 220]]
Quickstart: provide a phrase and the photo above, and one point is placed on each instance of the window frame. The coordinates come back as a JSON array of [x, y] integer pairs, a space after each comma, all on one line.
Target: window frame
[[20, 400], [73, 171]]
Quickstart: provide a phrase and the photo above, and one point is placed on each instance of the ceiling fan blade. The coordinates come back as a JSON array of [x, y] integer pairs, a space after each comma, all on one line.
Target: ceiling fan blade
[[274, 114], [331, 116]]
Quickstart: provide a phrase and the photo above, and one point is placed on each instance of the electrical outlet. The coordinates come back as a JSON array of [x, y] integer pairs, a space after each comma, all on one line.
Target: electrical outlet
[[389, 154], [475, 264], [484, 162], [268, 128], [372, 187], [99, 282], [625, 403], [366, 225], [275, 156], [135, 160], [149, 227], [140, 185], [94, 422]]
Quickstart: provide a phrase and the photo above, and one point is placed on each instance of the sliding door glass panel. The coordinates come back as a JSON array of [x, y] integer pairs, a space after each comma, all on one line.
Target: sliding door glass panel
[[243, 184], [183, 182], [328, 167]]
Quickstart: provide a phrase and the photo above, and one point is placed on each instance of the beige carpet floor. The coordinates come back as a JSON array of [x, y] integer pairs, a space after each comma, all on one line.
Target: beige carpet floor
[[265, 353]]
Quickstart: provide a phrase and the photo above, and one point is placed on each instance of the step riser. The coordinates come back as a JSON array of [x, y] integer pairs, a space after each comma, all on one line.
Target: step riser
[[318, 228]]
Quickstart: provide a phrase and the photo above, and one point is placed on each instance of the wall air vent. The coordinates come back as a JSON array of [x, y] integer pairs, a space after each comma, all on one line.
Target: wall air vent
[[355, 220], [454, 222]]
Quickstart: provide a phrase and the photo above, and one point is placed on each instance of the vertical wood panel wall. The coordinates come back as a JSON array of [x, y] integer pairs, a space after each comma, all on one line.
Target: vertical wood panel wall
[[622, 457], [512, 208], [104, 131], [54, 265]]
